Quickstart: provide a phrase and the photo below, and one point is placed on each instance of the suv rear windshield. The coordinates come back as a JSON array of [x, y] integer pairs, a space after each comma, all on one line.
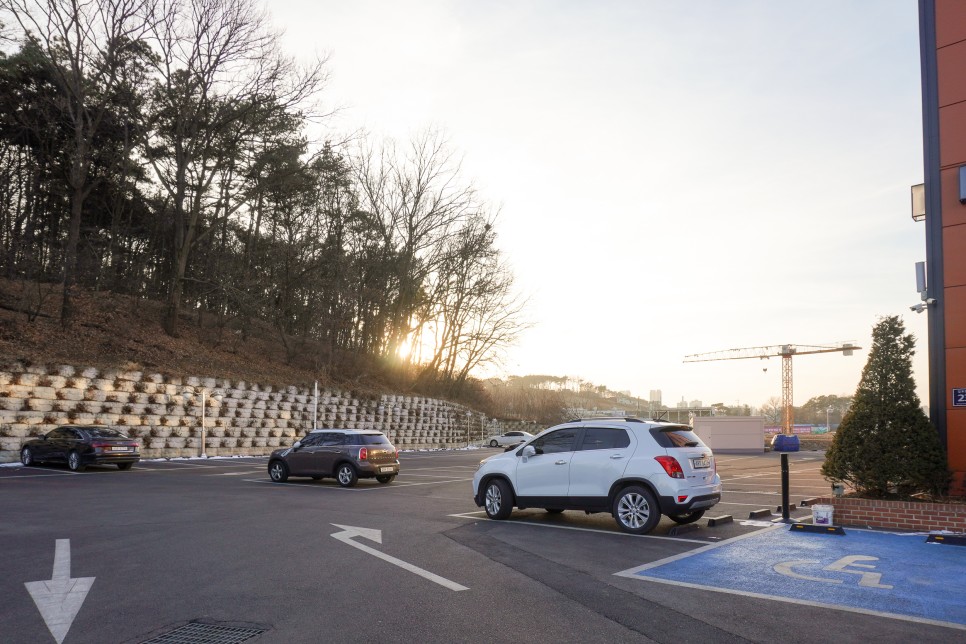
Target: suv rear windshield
[[366, 439], [675, 436]]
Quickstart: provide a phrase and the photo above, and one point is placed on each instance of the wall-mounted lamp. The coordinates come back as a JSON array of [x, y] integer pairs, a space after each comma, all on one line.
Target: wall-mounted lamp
[[919, 201]]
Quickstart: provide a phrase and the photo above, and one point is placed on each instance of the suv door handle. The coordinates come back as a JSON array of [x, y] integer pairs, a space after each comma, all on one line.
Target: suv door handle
[[560, 463], [617, 456]]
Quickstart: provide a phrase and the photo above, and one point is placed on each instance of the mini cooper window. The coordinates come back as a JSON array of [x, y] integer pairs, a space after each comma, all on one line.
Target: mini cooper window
[[331, 439], [367, 439], [312, 439]]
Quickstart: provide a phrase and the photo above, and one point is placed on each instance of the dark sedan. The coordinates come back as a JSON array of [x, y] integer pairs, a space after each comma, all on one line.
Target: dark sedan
[[82, 446]]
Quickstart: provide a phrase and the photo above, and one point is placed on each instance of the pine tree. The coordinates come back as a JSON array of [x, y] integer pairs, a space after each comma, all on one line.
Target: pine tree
[[886, 444]]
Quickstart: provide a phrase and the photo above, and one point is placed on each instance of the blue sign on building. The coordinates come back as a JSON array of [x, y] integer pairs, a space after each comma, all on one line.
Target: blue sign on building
[[959, 397]]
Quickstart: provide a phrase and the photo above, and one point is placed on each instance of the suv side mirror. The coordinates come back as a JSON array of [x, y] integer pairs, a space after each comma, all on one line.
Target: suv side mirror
[[297, 445], [528, 451]]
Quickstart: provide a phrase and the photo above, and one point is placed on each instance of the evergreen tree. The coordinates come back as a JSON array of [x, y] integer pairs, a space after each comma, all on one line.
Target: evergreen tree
[[885, 442]]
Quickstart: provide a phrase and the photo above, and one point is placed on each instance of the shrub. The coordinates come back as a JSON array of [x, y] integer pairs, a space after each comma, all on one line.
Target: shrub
[[886, 444]]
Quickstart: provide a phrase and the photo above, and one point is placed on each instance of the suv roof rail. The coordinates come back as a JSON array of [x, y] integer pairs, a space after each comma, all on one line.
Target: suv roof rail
[[629, 419]]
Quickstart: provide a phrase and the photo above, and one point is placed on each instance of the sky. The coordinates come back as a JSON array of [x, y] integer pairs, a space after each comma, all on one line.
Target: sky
[[672, 178]]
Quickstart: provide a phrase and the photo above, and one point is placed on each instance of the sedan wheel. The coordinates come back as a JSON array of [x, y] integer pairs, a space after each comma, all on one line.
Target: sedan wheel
[[278, 471], [26, 456], [347, 475], [498, 500], [74, 462], [636, 510]]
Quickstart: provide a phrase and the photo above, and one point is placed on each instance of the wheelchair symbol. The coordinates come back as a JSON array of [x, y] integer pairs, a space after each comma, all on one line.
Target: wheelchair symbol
[[866, 578]]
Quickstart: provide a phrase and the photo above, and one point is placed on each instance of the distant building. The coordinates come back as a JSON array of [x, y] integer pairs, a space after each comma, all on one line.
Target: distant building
[[696, 403], [655, 397]]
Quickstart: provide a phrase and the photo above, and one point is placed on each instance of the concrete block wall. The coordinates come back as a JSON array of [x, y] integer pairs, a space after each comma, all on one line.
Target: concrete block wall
[[241, 418]]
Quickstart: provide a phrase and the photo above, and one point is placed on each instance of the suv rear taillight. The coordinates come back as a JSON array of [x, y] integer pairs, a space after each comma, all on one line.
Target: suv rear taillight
[[363, 453], [671, 466]]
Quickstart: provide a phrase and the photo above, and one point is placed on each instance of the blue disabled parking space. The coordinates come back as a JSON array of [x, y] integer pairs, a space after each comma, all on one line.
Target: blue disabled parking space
[[894, 575]]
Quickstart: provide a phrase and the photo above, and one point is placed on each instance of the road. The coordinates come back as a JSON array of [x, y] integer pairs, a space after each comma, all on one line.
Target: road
[[214, 544]]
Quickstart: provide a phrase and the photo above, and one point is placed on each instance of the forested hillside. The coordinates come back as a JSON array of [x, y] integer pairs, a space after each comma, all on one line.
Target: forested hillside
[[161, 151]]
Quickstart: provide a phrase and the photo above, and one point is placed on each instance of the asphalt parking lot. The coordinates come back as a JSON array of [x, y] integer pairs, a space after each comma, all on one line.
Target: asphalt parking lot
[[214, 544]]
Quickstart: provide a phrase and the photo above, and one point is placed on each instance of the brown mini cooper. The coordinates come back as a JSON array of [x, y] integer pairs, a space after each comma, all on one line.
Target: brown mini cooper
[[346, 454]]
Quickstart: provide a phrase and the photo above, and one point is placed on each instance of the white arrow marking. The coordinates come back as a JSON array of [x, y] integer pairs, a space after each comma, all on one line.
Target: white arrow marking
[[60, 598], [376, 535]]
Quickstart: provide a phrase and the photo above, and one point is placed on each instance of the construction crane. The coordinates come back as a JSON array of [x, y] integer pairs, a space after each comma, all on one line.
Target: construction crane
[[786, 351]]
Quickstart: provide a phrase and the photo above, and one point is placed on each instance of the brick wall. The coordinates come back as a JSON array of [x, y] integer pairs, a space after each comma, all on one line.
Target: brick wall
[[896, 515]]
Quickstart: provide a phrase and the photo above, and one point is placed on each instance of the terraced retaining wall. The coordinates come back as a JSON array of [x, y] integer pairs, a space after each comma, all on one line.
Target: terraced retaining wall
[[240, 417]]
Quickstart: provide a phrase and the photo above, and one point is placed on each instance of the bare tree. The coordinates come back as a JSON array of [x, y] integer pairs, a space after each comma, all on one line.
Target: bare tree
[[87, 43], [472, 312], [417, 201], [772, 410], [220, 78]]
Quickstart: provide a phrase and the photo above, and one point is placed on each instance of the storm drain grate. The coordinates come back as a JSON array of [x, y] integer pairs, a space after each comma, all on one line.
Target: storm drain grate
[[196, 633]]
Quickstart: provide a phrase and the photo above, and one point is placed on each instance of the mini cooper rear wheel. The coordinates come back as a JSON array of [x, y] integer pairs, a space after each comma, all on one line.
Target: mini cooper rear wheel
[[387, 478], [346, 475], [498, 499], [278, 471], [636, 510]]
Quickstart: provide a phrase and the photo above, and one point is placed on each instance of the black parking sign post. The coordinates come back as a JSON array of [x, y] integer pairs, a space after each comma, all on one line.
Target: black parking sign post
[[785, 513]]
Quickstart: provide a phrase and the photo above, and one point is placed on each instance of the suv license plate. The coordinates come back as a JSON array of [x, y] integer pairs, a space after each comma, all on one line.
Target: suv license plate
[[701, 463], [385, 469]]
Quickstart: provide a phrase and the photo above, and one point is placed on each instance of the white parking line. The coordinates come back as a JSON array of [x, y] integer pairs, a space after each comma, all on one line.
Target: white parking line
[[409, 473], [244, 473], [515, 522], [393, 486]]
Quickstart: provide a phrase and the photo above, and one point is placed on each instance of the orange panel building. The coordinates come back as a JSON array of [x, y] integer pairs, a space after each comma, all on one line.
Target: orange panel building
[[942, 35]]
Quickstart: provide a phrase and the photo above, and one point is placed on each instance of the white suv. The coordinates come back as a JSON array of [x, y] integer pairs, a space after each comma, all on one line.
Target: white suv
[[635, 469]]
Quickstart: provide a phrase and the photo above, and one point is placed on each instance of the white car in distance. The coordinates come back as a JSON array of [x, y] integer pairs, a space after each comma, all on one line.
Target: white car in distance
[[509, 438]]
